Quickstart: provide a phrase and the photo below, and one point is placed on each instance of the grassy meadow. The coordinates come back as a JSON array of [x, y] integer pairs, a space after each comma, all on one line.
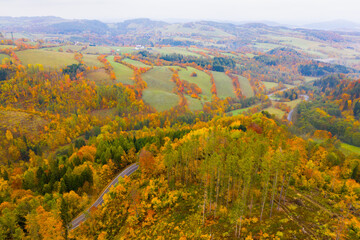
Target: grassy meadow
[[122, 72], [46, 58], [224, 85], [100, 77], [277, 112], [172, 50], [246, 87], [2, 56], [194, 104], [135, 63], [159, 99], [159, 78], [202, 80]]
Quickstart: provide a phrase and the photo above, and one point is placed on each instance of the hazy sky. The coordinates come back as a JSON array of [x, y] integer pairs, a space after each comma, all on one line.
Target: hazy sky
[[290, 11]]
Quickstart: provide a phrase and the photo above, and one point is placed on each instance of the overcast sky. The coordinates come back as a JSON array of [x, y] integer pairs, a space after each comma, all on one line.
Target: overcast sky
[[291, 11]]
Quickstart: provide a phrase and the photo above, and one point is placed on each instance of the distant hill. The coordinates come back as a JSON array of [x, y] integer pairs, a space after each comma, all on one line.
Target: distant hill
[[78, 26], [338, 25], [27, 23], [140, 24]]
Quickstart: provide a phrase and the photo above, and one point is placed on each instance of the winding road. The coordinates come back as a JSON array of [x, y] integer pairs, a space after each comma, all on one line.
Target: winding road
[[306, 97], [127, 172]]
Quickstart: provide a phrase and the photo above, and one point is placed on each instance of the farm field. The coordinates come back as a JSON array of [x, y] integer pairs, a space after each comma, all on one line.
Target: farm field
[[194, 104], [277, 112], [293, 104], [309, 79], [100, 77], [269, 85], [224, 85], [159, 89], [239, 111], [202, 80], [159, 99], [172, 50], [91, 60], [266, 46], [122, 72], [350, 148], [46, 58], [246, 87], [196, 29], [159, 78], [97, 50], [122, 50], [65, 48], [2, 56], [198, 49], [311, 47], [296, 42], [135, 63], [6, 46]]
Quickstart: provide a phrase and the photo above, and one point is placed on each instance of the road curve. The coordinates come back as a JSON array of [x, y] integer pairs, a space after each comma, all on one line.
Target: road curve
[[306, 98], [127, 172]]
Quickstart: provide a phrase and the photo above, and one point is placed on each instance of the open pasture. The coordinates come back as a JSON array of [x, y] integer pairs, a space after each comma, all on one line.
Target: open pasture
[[245, 86], [122, 72], [224, 85], [46, 58], [159, 78], [159, 99], [202, 80]]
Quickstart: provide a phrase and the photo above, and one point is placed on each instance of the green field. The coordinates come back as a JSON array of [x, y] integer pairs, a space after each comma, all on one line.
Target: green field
[[266, 46], [293, 104], [91, 60], [2, 56], [224, 85], [172, 50], [100, 77], [309, 79], [277, 112], [240, 111], [196, 29], [269, 85], [122, 50], [7, 46], [122, 72], [202, 80], [159, 78], [312, 47], [65, 48], [159, 89], [350, 148], [194, 104], [97, 50], [197, 49], [159, 99], [245, 86], [46, 58], [135, 63]]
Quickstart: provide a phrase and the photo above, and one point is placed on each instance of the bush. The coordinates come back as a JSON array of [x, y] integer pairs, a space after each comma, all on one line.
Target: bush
[[79, 143], [194, 74]]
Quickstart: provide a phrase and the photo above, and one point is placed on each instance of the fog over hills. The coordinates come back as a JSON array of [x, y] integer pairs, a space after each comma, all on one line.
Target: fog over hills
[[53, 24]]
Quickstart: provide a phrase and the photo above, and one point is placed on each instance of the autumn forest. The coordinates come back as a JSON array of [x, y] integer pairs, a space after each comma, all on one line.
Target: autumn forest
[[201, 130]]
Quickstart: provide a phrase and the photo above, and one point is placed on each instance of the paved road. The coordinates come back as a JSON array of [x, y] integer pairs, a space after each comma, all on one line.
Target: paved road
[[128, 171], [306, 97]]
